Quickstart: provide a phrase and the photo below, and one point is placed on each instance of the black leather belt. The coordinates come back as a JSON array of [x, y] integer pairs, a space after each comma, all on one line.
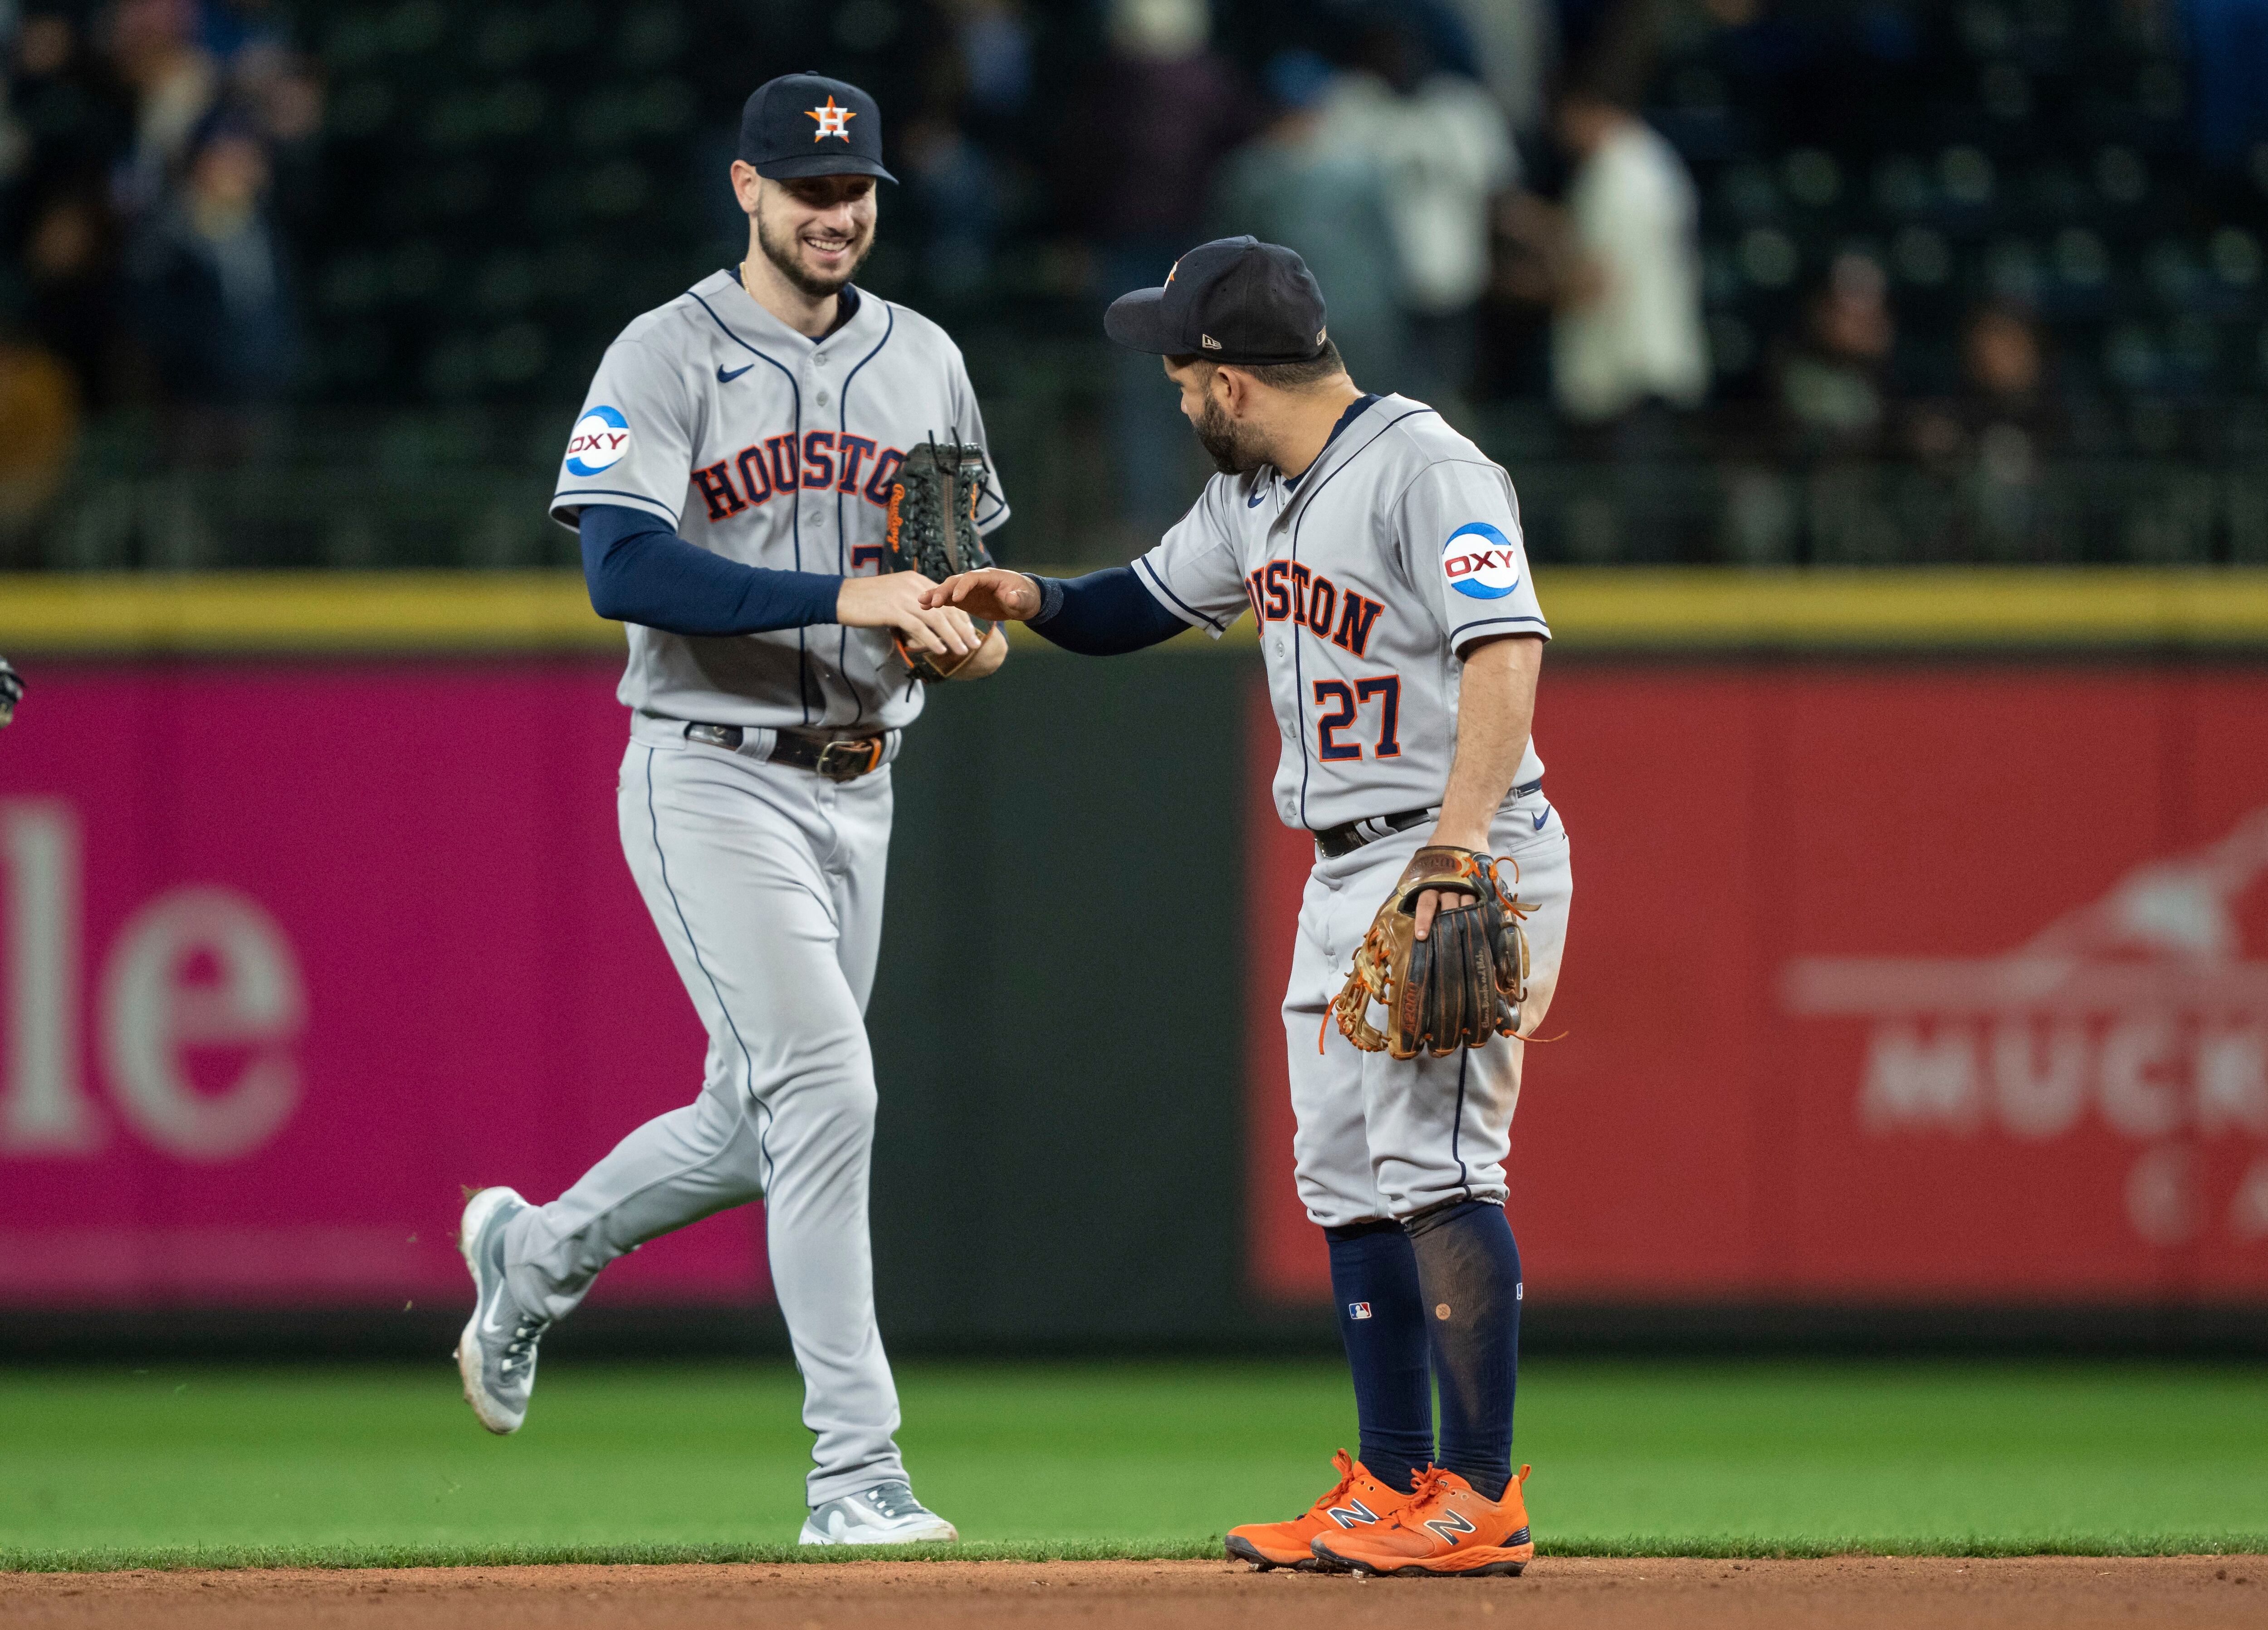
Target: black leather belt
[[838, 761], [1334, 841]]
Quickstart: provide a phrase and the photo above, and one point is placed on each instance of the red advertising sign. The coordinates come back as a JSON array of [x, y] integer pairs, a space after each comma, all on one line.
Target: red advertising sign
[[292, 953], [1891, 982]]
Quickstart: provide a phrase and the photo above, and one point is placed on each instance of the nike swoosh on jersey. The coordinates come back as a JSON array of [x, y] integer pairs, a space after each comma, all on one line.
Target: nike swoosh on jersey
[[727, 378], [1540, 819]]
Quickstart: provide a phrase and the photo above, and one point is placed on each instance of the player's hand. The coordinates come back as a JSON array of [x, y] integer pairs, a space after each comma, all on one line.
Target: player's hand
[[893, 600], [994, 593], [988, 657], [1435, 901]]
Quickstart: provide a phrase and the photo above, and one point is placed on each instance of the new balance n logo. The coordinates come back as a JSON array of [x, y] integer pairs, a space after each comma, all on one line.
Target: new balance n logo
[[1449, 1525], [1354, 1511]]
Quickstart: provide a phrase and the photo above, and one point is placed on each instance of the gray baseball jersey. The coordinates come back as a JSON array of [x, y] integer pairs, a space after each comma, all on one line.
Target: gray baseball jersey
[[1368, 578], [778, 451]]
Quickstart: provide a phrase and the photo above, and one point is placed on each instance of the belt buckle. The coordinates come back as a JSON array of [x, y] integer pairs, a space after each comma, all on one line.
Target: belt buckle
[[847, 761]]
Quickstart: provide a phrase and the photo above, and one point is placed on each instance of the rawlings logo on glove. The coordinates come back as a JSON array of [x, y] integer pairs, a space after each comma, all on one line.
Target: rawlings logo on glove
[[1459, 985]]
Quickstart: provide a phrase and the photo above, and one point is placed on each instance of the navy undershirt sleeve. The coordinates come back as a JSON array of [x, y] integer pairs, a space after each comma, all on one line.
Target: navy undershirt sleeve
[[640, 571], [1105, 613]]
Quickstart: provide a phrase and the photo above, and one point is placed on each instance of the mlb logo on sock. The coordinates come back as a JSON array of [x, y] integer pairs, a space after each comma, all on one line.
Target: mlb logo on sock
[[1357, 1309]]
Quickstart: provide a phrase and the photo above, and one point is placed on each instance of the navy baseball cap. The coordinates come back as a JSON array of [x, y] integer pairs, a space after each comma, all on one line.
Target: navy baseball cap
[[1233, 300], [806, 124]]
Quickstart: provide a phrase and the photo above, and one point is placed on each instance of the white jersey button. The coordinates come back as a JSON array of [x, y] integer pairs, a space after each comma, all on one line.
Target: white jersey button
[[821, 398]]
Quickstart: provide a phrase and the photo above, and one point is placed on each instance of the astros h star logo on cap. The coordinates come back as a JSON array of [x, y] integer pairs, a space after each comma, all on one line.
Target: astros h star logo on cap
[[833, 120]]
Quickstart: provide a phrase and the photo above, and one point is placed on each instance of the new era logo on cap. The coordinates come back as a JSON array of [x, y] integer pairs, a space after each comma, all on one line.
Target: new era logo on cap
[[1233, 300]]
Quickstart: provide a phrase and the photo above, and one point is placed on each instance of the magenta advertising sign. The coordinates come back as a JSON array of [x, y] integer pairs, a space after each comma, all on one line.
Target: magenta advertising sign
[[293, 951]]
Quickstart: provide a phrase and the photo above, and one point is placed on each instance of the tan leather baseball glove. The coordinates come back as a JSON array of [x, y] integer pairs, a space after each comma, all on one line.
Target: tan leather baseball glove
[[1459, 986]]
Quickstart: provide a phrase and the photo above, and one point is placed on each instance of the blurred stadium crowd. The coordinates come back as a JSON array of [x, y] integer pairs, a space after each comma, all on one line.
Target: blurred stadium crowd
[[1750, 281]]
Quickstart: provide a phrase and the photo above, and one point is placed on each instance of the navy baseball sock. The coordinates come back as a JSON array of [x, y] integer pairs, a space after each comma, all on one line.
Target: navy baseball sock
[[1382, 1320], [1469, 1269]]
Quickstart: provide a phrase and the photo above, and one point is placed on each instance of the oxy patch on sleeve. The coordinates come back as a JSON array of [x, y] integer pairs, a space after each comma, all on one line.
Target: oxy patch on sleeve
[[600, 438], [1478, 561]]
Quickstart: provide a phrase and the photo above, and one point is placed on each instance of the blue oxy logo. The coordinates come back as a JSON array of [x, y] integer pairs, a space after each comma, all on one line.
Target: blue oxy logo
[[1480, 561], [602, 437]]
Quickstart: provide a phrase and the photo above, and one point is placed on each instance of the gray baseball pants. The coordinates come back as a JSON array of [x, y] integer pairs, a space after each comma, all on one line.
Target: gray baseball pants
[[766, 883], [1380, 1136]]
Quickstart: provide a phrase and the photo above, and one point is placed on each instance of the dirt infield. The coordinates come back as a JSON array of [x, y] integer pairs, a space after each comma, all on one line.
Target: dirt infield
[[2052, 1593]]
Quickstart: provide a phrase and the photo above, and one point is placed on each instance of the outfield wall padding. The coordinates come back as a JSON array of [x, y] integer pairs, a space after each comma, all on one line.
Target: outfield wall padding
[[1919, 982]]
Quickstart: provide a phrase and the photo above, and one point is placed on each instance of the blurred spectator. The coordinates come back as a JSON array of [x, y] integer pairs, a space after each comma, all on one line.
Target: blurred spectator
[[1627, 354], [954, 189], [1988, 442], [156, 47], [2000, 353], [72, 126], [1447, 156], [2229, 57], [1145, 133], [39, 438], [60, 223], [231, 30], [279, 92], [1611, 47], [70, 272], [210, 286], [1832, 376], [995, 41], [1297, 184], [956, 182], [1628, 332], [1516, 42]]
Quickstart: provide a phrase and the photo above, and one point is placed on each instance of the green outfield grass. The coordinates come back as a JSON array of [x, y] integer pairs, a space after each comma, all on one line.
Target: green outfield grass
[[360, 1465]]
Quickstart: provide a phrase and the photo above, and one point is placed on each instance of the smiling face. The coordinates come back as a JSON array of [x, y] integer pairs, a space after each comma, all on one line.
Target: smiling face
[[815, 230]]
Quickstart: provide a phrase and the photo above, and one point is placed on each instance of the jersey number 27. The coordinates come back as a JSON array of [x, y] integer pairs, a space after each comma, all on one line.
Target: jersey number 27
[[1342, 701]]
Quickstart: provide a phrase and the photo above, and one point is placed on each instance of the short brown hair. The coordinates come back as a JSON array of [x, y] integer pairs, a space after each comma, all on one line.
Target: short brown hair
[[1280, 376]]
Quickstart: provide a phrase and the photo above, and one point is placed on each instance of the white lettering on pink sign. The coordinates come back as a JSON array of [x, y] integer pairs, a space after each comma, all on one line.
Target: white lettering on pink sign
[[197, 969]]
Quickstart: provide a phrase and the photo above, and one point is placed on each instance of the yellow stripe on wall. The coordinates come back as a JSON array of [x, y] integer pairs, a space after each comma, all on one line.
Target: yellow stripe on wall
[[1605, 610], [1933, 608], [301, 612]]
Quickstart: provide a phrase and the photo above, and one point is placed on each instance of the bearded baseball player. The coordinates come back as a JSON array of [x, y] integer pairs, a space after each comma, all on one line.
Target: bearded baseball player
[[735, 478], [1380, 553]]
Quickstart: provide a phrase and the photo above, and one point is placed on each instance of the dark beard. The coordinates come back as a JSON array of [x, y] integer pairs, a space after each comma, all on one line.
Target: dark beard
[[1230, 448], [783, 255]]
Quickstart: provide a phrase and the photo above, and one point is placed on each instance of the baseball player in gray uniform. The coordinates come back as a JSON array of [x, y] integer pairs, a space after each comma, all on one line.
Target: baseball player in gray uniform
[[729, 477], [1380, 554]]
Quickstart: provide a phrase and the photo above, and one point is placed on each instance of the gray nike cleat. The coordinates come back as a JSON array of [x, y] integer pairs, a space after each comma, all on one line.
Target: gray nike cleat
[[885, 1515], [496, 1354]]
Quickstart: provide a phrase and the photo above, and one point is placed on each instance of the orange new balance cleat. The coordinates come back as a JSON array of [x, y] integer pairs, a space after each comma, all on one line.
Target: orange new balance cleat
[[1445, 1528], [1360, 1501]]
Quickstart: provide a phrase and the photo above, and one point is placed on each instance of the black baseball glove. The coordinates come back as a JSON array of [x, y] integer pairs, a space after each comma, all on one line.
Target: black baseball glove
[[932, 528]]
